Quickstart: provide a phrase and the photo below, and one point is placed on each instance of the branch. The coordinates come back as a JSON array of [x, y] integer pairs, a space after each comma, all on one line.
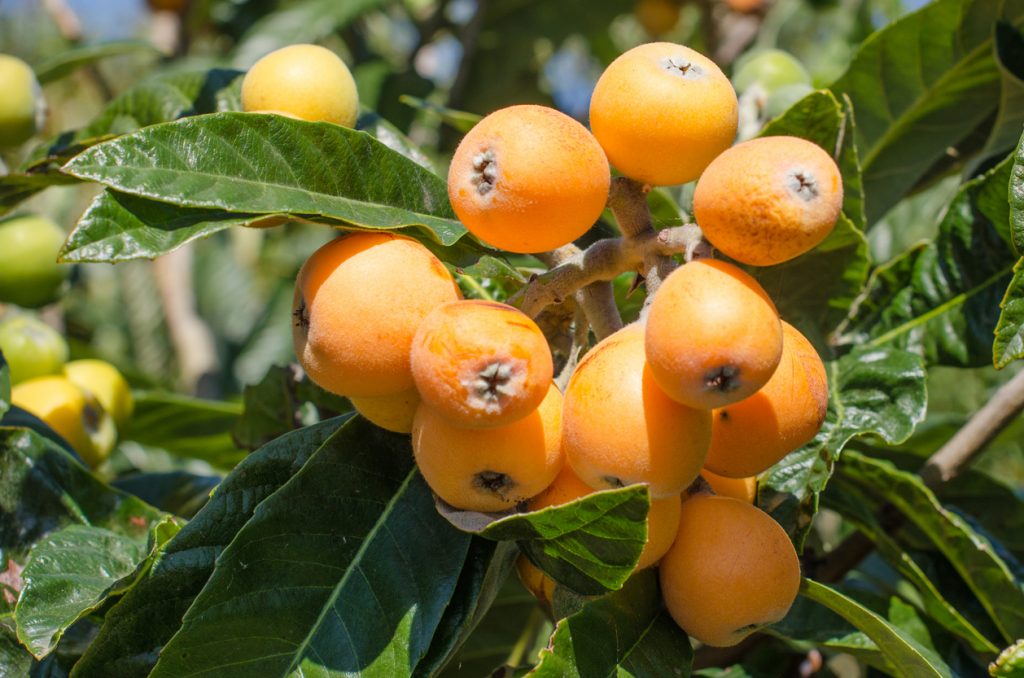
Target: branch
[[594, 297], [628, 202]]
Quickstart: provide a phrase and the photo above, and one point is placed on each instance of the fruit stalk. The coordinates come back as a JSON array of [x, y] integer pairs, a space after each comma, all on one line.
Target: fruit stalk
[[595, 298], [628, 202]]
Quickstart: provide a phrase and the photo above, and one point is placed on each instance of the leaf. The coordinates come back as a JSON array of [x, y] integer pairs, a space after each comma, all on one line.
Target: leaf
[[900, 649], [919, 86], [270, 164], [281, 403], [17, 187], [72, 572], [1016, 191], [973, 556], [120, 227], [349, 564], [941, 298], [591, 544], [14, 658], [392, 137], [298, 22], [624, 633], [1009, 48], [63, 64], [461, 121], [851, 504], [807, 621], [1009, 342], [5, 385], [44, 489], [147, 616], [185, 426], [1010, 661], [177, 492], [877, 391]]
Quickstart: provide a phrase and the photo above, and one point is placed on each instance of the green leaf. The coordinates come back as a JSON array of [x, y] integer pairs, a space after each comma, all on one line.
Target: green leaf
[[807, 621], [120, 227], [591, 544], [625, 633], [971, 553], [461, 121], [282, 402], [941, 299], [147, 616], [1009, 48], [1009, 342], [1016, 191], [898, 646], [297, 22], [853, 505], [1010, 662], [72, 572], [349, 564], [45, 489], [5, 385], [17, 187], [185, 426], [177, 492], [66, 62], [920, 86], [383, 131], [14, 658], [270, 164], [877, 391]]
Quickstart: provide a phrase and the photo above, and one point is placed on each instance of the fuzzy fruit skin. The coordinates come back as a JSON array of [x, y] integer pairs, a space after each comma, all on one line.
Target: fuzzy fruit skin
[[527, 452], [541, 586], [463, 346], [658, 125], [713, 335], [31, 348], [358, 302], [620, 428], [21, 103], [731, 570], [749, 436], [744, 489], [306, 81], [107, 384], [769, 199], [528, 179], [29, 273], [391, 412], [662, 519], [74, 414]]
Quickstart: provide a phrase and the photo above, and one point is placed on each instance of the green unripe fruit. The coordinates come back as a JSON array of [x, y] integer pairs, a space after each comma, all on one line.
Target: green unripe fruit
[[771, 70], [21, 102], [784, 97], [31, 348], [29, 273]]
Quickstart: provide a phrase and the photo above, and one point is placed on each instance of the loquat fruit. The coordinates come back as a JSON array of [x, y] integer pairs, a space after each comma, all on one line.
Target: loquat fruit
[[392, 412]]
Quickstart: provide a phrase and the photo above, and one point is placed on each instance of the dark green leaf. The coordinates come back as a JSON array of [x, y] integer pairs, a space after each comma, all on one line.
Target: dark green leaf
[[1017, 199], [14, 658], [18, 187], [590, 544], [284, 400], [5, 386], [941, 299], [187, 427], [848, 501], [350, 566], [919, 86], [270, 164], [44, 489], [1009, 342], [878, 391], [1009, 47], [392, 137], [120, 227], [459, 120], [147, 616], [66, 62], [899, 647], [807, 621], [177, 492], [971, 553], [73, 571], [625, 633]]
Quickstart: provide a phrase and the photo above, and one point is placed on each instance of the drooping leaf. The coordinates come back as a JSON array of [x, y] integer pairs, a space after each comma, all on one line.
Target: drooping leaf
[[186, 426], [66, 62], [270, 164], [72, 572], [148, 615], [177, 492], [298, 22], [941, 299], [876, 391], [17, 187], [808, 621], [1009, 342], [852, 505], [625, 633], [346, 569], [989, 576], [590, 544], [899, 647], [919, 86]]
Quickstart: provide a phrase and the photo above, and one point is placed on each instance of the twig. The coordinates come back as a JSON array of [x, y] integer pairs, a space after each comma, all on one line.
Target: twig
[[595, 297], [943, 466], [193, 341], [628, 202]]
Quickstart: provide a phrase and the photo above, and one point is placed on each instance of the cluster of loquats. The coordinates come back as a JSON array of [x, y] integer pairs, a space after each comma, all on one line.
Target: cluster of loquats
[[710, 382]]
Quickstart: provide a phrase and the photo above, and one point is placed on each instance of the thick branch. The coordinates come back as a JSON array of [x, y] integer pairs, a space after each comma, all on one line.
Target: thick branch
[[628, 202], [594, 297]]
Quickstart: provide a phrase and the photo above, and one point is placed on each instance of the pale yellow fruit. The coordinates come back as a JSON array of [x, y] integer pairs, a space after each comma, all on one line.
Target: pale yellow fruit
[[75, 415], [107, 384]]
